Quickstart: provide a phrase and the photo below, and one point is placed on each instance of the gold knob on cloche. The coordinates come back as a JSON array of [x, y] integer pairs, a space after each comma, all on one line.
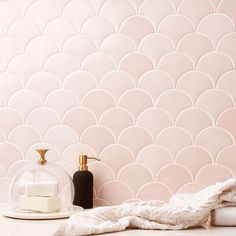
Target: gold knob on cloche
[[42, 153]]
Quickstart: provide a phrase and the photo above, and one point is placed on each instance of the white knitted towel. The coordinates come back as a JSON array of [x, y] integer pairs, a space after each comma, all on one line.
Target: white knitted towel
[[181, 212]]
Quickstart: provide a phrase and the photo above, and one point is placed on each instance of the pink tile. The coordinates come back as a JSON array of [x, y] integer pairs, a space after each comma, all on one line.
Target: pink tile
[[195, 45], [174, 139], [4, 185], [79, 119], [9, 84], [195, 83], [175, 27], [154, 157], [193, 158], [98, 64], [136, 27], [135, 101], [98, 137], [194, 120], [175, 64], [215, 64], [227, 83], [117, 46], [195, 10], [98, 101], [60, 136], [215, 26], [97, 28], [117, 11], [24, 66], [61, 65], [211, 174], [173, 176], [61, 101], [109, 119], [79, 46], [9, 13], [213, 139], [155, 82], [156, 10], [80, 82], [228, 8], [30, 136], [42, 47], [42, 119], [116, 83], [129, 173], [116, 156], [24, 29], [10, 153], [10, 118], [102, 174], [38, 14], [123, 192], [227, 121], [16, 166], [190, 188], [154, 120], [72, 152], [60, 29], [214, 102], [174, 101], [154, 191], [136, 64], [9, 47], [156, 46], [49, 80], [24, 101], [135, 138], [226, 45], [78, 12], [226, 157]]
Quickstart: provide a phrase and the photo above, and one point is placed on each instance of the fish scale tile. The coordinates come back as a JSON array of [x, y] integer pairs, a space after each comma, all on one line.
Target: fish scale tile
[[148, 86]]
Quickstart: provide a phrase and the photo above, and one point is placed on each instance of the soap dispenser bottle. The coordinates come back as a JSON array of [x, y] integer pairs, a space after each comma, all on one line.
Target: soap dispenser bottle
[[83, 184]]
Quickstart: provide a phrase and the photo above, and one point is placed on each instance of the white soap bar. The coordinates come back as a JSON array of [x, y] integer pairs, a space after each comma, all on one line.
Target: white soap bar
[[224, 216], [41, 204], [41, 189]]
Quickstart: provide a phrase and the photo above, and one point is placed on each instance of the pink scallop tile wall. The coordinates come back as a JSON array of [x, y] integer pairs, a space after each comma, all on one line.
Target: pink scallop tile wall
[[148, 86]]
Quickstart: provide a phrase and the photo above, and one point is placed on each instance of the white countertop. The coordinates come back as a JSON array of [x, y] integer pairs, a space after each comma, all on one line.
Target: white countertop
[[14, 227]]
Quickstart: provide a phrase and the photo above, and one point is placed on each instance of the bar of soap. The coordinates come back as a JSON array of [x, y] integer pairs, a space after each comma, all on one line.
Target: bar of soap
[[41, 189], [40, 204], [224, 216]]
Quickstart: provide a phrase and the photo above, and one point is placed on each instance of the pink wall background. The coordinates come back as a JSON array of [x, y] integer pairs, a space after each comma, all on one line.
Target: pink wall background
[[148, 86]]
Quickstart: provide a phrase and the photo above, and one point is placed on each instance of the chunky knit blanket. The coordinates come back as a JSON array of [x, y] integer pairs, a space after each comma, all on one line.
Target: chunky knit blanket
[[181, 212]]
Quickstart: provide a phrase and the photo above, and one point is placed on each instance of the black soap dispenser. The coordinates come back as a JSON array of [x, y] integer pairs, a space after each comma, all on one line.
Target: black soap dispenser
[[83, 184]]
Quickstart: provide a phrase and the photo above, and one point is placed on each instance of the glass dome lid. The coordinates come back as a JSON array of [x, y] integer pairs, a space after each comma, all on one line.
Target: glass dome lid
[[41, 187]]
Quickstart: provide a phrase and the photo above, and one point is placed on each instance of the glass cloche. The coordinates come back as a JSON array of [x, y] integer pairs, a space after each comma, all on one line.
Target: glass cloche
[[41, 188]]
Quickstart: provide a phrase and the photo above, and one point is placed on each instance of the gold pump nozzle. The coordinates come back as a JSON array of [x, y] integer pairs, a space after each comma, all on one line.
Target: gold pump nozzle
[[83, 162], [42, 153]]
